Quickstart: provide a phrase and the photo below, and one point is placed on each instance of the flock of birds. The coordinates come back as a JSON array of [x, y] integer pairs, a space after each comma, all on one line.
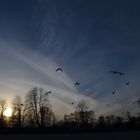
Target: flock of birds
[[119, 73], [61, 70], [75, 84], [113, 92], [127, 84]]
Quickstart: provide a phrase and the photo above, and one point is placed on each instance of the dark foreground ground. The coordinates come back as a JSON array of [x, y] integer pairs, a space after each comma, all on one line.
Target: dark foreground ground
[[80, 136]]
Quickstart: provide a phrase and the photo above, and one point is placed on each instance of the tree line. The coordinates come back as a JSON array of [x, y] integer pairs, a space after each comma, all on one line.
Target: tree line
[[35, 111]]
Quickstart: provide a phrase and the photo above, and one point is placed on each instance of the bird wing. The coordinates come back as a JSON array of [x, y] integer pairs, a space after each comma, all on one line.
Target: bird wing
[[113, 71], [121, 73], [77, 83], [59, 69], [113, 92]]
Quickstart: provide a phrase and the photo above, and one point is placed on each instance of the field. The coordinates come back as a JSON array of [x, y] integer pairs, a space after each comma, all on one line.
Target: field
[[85, 136]]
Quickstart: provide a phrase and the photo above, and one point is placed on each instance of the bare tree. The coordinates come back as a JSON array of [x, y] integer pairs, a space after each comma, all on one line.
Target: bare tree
[[82, 106], [101, 122], [2, 109], [82, 111], [18, 111], [38, 105]]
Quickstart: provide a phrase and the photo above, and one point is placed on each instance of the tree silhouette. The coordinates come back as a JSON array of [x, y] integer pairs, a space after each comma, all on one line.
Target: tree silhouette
[[101, 122], [82, 108], [38, 107], [18, 112], [2, 109]]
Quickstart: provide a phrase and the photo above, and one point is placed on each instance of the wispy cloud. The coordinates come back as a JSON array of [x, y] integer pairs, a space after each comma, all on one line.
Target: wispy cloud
[[25, 69], [87, 41]]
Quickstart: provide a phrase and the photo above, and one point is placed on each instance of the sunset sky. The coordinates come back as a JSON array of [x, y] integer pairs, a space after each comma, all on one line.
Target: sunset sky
[[87, 38]]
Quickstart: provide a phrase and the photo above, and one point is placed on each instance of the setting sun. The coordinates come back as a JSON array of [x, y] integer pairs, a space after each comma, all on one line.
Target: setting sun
[[8, 112]]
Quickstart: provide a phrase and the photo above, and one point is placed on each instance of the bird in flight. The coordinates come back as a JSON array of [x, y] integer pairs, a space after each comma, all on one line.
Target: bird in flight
[[48, 92], [72, 103], [117, 72], [127, 83], [77, 84], [59, 69], [113, 92]]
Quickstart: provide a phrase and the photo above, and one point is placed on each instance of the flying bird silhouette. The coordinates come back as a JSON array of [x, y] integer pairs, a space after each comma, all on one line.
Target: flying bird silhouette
[[59, 69], [48, 92], [72, 103], [77, 84], [127, 83], [113, 92], [117, 72]]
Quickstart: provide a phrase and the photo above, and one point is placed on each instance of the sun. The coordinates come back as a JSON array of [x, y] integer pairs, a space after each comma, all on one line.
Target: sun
[[8, 112]]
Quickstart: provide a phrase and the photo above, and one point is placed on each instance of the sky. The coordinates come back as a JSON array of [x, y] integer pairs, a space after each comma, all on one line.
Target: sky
[[84, 37]]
